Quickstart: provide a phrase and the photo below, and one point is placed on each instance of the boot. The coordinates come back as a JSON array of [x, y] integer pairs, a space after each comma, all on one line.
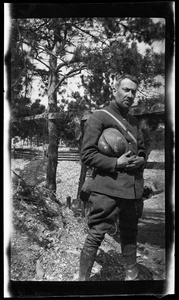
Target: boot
[[86, 263], [129, 254]]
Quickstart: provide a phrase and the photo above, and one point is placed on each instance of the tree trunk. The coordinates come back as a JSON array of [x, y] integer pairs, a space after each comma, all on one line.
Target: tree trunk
[[52, 155], [52, 128]]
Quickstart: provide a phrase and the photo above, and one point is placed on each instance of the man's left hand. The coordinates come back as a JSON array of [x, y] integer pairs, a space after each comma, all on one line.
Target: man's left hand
[[135, 162]]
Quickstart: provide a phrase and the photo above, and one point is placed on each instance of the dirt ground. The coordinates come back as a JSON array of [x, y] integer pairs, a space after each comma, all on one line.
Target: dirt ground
[[46, 239]]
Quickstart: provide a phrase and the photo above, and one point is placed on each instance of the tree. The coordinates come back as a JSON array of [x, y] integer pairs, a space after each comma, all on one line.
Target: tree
[[121, 55], [20, 79], [20, 70], [67, 46], [46, 36], [21, 108], [52, 42]]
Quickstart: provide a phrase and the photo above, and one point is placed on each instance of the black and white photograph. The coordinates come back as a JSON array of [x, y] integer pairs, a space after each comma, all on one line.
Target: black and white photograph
[[89, 149]]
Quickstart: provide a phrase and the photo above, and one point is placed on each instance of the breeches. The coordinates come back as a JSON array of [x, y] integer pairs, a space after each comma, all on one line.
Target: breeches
[[104, 212]]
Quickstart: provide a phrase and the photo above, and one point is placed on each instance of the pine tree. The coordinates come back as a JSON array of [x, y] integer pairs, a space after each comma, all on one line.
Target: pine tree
[[64, 47]]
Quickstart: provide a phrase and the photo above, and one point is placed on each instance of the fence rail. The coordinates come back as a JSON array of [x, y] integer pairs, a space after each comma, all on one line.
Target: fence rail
[[19, 153], [71, 155]]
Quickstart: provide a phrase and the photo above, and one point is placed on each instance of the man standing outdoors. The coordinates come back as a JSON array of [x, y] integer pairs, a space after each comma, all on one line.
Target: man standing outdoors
[[117, 187]]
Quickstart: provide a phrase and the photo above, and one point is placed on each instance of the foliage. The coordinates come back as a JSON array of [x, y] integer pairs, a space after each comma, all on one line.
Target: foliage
[[37, 108], [97, 45], [120, 58], [20, 67], [20, 80], [145, 30], [25, 129]]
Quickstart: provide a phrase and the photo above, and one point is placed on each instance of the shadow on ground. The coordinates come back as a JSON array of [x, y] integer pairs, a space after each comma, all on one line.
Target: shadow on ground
[[36, 219], [152, 228], [111, 266]]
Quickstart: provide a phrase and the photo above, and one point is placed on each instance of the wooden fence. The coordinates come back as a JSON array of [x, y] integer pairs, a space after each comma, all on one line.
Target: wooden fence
[[20, 153], [70, 155]]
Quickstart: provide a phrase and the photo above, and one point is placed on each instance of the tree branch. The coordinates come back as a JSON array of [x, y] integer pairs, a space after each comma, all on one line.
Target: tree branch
[[93, 36], [68, 75], [61, 65], [43, 49], [142, 93], [43, 63], [37, 28], [28, 44]]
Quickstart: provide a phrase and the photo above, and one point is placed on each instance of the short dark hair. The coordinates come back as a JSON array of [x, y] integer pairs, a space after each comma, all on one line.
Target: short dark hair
[[120, 77]]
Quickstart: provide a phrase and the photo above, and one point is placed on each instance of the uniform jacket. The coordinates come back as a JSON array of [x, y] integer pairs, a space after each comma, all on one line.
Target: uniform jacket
[[108, 180]]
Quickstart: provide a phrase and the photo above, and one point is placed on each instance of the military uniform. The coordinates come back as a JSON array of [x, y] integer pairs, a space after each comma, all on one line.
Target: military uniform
[[115, 193]]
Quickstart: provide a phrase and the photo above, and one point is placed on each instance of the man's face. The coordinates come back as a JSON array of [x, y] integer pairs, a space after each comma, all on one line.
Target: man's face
[[125, 93]]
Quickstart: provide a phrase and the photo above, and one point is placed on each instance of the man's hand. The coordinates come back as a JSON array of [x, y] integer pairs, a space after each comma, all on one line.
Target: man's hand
[[123, 160], [135, 162], [129, 162]]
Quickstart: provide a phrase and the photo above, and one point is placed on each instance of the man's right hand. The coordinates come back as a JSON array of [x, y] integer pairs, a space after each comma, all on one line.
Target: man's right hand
[[123, 160]]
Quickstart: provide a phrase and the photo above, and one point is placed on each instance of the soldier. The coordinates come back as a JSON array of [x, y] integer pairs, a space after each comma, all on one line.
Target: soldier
[[117, 188]]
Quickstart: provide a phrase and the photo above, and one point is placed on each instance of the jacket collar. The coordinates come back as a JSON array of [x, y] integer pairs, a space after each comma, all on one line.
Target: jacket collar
[[118, 109]]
